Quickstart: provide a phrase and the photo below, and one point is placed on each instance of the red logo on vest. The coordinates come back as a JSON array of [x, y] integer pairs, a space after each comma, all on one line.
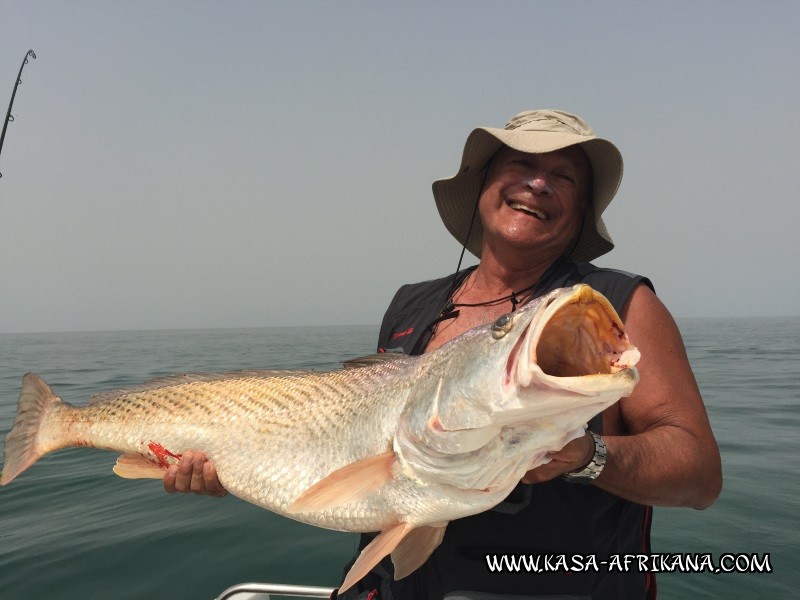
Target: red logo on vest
[[400, 334]]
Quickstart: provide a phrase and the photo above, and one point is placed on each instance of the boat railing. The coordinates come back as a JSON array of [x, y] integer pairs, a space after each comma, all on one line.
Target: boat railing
[[262, 591]]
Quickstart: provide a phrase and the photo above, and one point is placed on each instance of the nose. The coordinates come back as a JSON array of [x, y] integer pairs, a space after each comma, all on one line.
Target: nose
[[539, 184]]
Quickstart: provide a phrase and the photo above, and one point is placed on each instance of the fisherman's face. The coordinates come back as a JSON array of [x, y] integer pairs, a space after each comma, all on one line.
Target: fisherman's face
[[534, 202]]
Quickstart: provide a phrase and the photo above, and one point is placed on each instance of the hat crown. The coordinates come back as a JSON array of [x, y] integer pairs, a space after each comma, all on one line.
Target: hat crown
[[550, 120]]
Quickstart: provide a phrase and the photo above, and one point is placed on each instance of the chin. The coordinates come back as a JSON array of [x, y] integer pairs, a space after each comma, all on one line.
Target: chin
[[519, 243]]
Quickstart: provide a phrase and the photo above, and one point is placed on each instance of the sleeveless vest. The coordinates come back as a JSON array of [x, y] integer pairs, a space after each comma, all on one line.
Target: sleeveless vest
[[551, 518]]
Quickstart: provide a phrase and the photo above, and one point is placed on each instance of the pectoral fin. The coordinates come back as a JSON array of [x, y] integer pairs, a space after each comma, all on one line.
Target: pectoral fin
[[415, 548], [136, 466], [346, 485], [370, 556]]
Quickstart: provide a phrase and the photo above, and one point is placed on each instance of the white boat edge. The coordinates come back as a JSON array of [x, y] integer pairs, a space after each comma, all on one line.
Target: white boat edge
[[262, 591]]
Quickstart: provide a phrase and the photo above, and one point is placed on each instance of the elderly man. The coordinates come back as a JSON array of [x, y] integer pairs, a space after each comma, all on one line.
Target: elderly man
[[528, 200]]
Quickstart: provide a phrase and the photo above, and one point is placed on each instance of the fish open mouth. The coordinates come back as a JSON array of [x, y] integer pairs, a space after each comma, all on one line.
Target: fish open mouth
[[578, 334], [581, 335]]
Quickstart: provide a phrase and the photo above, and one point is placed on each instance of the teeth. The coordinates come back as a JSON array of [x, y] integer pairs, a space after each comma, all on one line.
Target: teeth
[[536, 213]]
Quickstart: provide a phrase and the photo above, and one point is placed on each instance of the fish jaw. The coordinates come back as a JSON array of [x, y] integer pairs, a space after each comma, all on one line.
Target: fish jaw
[[573, 361], [564, 361], [577, 345]]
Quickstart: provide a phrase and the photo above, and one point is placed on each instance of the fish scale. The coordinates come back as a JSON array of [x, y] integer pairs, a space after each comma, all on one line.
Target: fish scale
[[393, 444]]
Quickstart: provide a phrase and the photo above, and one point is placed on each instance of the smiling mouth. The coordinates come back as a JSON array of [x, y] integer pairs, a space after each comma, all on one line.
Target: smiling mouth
[[527, 209]]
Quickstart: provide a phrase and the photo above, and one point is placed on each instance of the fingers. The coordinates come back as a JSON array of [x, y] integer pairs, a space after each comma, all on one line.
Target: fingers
[[169, 479], [572, 457], [193, 474], [544, 473], [576, 454], [213, 484]]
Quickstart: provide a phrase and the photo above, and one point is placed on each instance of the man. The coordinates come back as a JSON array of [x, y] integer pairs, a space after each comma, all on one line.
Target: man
[[528, 200]]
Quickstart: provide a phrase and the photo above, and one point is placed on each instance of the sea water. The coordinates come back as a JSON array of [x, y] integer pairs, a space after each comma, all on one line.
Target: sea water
[[69, 528]]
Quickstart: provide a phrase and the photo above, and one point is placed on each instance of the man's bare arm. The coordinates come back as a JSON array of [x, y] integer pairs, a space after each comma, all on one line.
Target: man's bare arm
[[668, 455]]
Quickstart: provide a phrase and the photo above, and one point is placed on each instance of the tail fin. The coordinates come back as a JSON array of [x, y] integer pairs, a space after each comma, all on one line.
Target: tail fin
[[21, 449]]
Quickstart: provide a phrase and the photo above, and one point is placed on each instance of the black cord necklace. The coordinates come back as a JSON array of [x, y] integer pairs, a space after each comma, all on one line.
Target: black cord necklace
[[513, 296], [450, 309]]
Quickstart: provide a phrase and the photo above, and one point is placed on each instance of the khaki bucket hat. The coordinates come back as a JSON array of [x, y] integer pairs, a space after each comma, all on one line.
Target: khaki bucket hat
[[533, 131]]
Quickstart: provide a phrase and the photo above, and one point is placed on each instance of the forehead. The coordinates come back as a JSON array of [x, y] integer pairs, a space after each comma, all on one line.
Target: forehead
[[572, 155]]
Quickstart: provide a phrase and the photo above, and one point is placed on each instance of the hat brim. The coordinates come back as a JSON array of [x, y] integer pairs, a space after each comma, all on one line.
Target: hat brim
[[456, 196]]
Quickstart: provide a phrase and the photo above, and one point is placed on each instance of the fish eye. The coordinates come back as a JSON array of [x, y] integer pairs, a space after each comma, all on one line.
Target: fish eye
[[502, 326]]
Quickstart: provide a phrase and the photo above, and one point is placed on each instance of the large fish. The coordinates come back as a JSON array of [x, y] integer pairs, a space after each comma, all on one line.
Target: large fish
[[397, 444]]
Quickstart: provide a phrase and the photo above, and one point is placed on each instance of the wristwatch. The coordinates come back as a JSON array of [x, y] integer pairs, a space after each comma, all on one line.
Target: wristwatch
[[590, 472]]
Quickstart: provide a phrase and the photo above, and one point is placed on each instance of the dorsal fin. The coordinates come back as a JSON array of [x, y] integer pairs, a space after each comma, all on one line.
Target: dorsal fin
[[183, 378], [374, 359]]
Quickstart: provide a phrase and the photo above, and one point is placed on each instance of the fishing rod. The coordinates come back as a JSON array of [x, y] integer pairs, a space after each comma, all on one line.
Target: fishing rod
[[9, 118]]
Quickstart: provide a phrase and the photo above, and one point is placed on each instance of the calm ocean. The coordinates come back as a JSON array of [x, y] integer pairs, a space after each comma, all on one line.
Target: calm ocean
[[69, 528]]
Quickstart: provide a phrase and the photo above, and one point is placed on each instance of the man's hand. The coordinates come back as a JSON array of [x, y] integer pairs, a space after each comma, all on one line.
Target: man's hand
[[573, 457], [194, 474]]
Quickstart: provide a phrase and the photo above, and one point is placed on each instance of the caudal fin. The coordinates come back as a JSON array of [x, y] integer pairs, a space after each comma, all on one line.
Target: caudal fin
[[21, 449]]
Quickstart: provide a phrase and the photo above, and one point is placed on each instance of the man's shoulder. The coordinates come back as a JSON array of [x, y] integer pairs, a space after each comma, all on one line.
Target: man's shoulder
[[425, 287], [413, 308], [410, 296], [615, 284], [590, 270]]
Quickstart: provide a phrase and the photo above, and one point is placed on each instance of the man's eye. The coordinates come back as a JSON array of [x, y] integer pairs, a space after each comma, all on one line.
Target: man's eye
[[567, 177]]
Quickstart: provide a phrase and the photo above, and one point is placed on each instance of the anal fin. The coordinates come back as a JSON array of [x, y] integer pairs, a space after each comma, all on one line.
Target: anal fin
[[415, 548], [348, 484], [372, 554], [136, 466]]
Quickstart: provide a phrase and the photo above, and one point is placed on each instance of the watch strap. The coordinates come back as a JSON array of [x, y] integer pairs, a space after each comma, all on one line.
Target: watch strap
[[591, 471]]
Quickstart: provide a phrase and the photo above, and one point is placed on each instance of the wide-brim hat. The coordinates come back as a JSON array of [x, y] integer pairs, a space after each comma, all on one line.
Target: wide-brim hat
[[532, 131]]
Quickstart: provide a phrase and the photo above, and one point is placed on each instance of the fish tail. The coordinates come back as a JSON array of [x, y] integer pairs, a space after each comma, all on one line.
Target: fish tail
[[23, 445]]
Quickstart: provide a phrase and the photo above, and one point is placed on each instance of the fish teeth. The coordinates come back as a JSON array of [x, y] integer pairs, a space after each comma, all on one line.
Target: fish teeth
[[535, 212]]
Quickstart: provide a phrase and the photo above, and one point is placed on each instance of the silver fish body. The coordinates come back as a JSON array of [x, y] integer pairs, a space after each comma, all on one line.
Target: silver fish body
[[397, 444]]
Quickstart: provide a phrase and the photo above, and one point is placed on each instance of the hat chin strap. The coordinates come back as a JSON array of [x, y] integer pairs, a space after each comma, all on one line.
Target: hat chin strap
[[577, 237], [486, 168]]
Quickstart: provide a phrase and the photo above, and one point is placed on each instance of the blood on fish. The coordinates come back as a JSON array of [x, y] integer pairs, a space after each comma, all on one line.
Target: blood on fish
[[436, 424], [162, 453]]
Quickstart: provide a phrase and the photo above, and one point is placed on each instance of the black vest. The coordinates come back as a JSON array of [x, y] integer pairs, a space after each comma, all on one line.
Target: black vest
[[551, 518]]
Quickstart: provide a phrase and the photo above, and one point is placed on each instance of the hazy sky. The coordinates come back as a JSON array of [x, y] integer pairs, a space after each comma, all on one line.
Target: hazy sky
[[197, 164]]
